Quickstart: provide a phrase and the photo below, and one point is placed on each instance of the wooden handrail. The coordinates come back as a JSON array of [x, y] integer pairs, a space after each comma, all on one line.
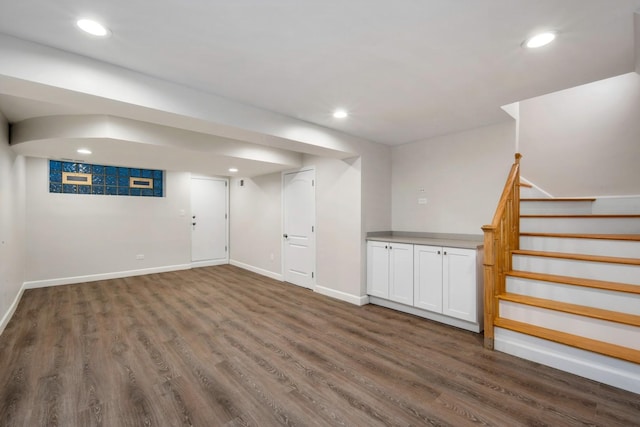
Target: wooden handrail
[[500, 238]]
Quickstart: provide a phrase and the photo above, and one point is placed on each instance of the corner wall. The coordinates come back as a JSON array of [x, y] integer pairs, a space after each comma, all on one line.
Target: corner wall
[[77, 238], [353, 196], [12, 226], [461, 175], [338, 226], [255, 229]]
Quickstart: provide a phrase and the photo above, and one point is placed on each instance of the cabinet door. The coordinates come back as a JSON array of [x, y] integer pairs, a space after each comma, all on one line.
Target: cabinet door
[[427, 278], [378, 269], [401, 273], [459, 284]]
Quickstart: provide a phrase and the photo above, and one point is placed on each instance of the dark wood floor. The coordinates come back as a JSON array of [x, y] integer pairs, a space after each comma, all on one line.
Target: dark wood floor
[[220, 346]]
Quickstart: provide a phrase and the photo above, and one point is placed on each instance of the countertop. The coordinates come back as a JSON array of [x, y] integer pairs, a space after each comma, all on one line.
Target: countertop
[[429, 240]]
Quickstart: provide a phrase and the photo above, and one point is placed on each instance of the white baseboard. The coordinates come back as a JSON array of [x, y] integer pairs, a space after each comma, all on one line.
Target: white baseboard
[[604, 369], [209, 263], [261, 271], [12, 309], [104, 276], [342, 296], [451, 321]]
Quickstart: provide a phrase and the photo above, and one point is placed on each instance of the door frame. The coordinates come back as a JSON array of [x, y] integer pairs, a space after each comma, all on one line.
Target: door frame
[[219, 261], [315, 222]]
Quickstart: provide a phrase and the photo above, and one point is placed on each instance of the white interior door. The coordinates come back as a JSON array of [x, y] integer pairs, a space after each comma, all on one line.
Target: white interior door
[[299, 216], [209, 221]]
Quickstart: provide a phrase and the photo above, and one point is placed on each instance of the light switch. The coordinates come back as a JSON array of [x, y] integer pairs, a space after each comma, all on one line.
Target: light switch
[[422, 201]]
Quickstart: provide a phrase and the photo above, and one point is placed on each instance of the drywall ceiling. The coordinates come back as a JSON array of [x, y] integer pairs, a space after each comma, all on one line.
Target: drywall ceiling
[[406, 70]]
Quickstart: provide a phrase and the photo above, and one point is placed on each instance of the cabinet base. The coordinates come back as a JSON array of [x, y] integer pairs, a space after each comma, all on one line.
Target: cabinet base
[[462, 324]]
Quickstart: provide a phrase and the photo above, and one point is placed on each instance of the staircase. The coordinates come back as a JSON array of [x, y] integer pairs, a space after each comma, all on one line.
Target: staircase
[[568, 292]]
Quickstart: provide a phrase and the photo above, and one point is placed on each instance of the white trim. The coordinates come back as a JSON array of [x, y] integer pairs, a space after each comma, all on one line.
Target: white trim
[[525, 180], [104, 276], [12, 309], [342, 296], [262, 272], [441, 318], [597, 367], [209, 262]]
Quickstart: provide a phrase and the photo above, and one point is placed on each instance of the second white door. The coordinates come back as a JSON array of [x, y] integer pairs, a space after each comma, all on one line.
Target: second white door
[[299, 216], [208, 221]]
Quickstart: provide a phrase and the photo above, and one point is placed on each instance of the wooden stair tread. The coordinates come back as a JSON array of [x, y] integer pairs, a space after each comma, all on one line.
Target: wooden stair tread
[[577, 281], [580, 216], [557, 199], [631, 237], [564, 338], [578, 257], [580, 310]]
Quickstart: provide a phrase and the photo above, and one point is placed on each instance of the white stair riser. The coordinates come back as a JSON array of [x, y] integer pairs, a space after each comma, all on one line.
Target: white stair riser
[[617, 205], [580, 225], [557, 207], [590, 297], [603, 247], [596, 329], [608, 370], [532, 193], [610, 272]]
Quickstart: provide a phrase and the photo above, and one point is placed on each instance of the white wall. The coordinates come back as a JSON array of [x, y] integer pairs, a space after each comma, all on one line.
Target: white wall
[[12, 226], [73, 238], [584, 141], [256, 224], [462, 176], [376, 188]]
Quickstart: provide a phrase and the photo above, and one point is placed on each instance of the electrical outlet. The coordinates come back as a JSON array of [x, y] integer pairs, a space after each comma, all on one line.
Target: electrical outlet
[[422, 201], [140, 256]]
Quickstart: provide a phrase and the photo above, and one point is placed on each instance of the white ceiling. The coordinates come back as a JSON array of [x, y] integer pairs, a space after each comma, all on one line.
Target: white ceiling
[[406, 70]]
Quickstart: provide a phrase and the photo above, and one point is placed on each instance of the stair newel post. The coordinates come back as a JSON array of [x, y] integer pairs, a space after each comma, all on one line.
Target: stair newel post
[[489, 284], [500, 238]]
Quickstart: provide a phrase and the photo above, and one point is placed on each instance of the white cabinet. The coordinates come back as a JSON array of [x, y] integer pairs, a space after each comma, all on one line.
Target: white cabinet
[[401, 273], [436, 282], [428, 278], [445, 281], [390, 271], [378, 269], [459, 290]]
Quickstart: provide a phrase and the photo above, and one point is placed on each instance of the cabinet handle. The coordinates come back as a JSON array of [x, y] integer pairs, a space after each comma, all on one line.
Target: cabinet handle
[[445, 252], [386, 247], [390, 247], [438, 252]]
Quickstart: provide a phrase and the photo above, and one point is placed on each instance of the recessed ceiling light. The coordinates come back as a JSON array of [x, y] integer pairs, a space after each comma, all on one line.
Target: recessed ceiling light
[[93, 27], [233, 170], [83, 151], [340, 114], [540, 40]]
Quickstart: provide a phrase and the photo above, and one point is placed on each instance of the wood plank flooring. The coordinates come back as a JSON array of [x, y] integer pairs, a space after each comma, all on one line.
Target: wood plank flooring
[[220, 346]]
